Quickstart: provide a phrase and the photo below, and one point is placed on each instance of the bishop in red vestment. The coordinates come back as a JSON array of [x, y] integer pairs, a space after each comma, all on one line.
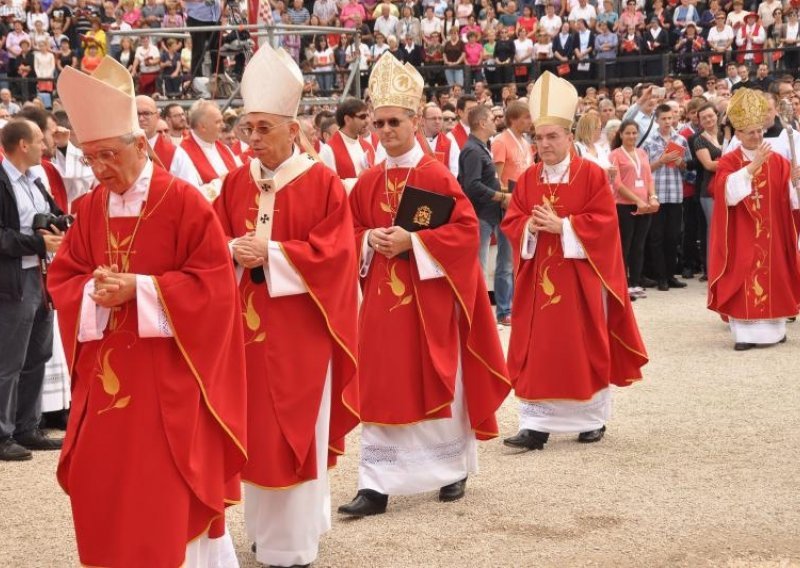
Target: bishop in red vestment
[[147, 306], [573, 332], [292, 234], [431, 370], [754, 276]]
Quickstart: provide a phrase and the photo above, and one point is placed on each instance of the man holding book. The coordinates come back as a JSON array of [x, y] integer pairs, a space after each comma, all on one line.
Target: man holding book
[[431, 369]]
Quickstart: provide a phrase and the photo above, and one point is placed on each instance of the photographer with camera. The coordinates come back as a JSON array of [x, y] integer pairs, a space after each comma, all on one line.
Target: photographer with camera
[[28, 232]]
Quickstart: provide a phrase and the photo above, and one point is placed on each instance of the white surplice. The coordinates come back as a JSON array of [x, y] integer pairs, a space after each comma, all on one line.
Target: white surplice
[[760, 332], [564, 416], [408, 459], [202, 552], [181, 166]]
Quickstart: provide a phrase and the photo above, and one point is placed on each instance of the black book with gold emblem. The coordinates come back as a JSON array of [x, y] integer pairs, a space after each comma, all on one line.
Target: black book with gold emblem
[[420, 209]]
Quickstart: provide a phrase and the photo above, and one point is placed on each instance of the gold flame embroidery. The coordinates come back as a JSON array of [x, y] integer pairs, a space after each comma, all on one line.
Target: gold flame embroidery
[[398, 287], [110, 381], [253, 321]]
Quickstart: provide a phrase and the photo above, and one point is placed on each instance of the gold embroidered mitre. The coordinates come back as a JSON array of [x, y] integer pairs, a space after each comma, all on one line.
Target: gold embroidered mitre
[[393, 84], [747, 109], [553, 101]]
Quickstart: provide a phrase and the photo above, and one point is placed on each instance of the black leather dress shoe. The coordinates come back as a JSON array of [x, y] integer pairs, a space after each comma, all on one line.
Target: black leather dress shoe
[[592, 436], [675, 283], [36, 440], [453, 492], [743, 346], [528, 440], [11, 451], [663, 286], [703, 278], [687, 273], [367, 502], [646, 282]]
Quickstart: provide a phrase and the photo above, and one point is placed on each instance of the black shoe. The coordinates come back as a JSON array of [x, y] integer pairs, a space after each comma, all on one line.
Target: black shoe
[[592, 436], [687, 273], [528, 440], [765, 345], [646, 282], [367, 502], [11, 451], [703, 278], [663, 286], [675, 283], [453, 492], [791, 320], [36, 440], [743, 346]]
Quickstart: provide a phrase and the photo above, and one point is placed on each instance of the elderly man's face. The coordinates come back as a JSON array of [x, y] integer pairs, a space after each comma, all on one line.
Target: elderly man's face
[[115, 162], [552, 143]]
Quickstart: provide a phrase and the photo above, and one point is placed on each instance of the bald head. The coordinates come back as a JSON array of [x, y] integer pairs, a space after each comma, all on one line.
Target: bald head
[[148, 115]]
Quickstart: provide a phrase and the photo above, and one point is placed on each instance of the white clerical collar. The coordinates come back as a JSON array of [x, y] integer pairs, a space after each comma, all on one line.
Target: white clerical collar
[[269, 174], [130, 202], [748, 154], [202, 143], [348, 140], [553, 173], [408, 160]]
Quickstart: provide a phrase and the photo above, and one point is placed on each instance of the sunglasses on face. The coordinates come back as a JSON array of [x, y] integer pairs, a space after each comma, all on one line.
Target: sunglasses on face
[[449, 118], [362, 116], [392, 122]]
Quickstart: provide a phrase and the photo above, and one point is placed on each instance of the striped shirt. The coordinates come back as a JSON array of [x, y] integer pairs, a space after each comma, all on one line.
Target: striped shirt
[[668, 180]]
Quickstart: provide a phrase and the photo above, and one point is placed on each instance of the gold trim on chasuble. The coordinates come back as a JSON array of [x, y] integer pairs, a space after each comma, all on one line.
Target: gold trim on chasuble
[[755, 295]]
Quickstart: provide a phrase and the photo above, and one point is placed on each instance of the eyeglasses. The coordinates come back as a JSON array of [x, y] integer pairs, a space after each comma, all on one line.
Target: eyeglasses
[[362, 116], [449, 118], [165, 131], [146, 113], [247, 131], [392, 122], [104, 157]]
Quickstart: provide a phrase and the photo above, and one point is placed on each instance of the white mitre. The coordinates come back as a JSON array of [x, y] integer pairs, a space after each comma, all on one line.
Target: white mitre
[[101, 105], [553, 101], [272, 83]]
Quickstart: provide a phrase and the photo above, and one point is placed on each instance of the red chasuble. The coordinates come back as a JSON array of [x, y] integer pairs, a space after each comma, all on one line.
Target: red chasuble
[[562, 344], [165, 150], [460, 134], [344, 163], [290, 340], [156, 436], [204, 167], [753, 258], [412, 332], [56, 183]]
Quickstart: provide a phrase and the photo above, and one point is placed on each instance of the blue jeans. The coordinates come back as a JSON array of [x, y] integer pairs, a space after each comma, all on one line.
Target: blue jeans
[[454, 76], [503, 272]]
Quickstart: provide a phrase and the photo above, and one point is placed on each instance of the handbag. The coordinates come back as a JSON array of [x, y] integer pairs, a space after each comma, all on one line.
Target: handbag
[[563, 69]]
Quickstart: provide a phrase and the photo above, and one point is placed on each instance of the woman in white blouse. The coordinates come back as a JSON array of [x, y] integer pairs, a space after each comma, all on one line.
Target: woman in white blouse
[[588, 133]]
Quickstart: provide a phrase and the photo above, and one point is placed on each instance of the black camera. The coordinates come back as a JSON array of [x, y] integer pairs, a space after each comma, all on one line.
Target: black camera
[[45, 220]]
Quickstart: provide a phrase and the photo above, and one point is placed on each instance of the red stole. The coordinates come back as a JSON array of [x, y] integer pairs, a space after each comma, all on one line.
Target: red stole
[[165, 150], [409, 329], [460, 134], [753, 258], [344, 163], [204, 167], [589, 351], [57, 188], [317, 145], [442, 150], [374, 140], [156, 437], [290, 340]]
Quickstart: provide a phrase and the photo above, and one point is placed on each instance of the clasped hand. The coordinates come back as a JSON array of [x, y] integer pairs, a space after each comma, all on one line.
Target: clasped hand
[[112, 288], [390, 241], [250, 251], [543, 218]]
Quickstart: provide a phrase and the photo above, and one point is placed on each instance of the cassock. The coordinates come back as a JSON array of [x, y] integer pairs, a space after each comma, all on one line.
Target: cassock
[[350, 157], [212, 160], [156, 436], [573, 332], [300, 339], [431, 369], [175, 159], [753, 257]]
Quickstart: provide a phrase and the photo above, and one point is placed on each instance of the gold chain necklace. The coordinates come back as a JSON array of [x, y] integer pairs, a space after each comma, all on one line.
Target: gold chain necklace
[[126, 256], [550, 186]]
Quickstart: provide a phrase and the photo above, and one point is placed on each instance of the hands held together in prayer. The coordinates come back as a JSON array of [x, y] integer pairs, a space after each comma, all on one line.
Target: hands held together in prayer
[[250, 251], [543, 218], [112, 288], [389, 241]]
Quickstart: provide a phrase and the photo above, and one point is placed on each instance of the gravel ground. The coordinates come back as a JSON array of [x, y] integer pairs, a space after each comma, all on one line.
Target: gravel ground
[[698, 468]]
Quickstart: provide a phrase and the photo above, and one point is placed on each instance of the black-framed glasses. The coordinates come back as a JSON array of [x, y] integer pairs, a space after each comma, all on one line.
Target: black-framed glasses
[[261, 130], [392, 123]]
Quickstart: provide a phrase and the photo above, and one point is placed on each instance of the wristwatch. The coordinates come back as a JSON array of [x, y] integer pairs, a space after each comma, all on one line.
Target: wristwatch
[[654, 197]]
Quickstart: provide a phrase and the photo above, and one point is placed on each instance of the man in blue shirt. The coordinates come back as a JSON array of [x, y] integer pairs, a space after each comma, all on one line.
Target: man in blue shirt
[[203, 13]]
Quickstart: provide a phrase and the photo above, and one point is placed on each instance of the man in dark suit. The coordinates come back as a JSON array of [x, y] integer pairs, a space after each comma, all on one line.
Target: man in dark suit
[[411, 53], [478, 178], [26, 321]]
